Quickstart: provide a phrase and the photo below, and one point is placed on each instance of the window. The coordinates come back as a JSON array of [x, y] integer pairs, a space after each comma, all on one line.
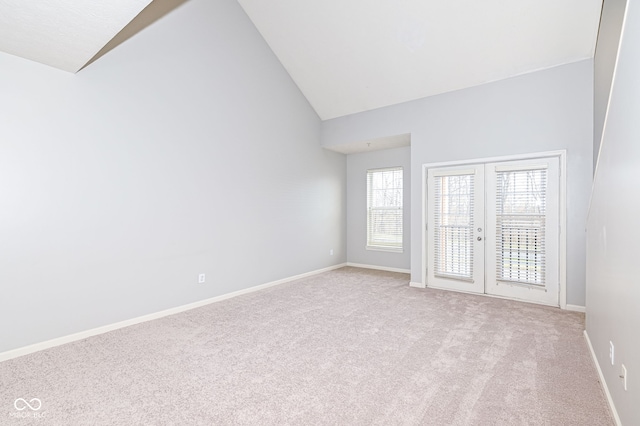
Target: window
[[520, 225], [453, 220], [384, 209]]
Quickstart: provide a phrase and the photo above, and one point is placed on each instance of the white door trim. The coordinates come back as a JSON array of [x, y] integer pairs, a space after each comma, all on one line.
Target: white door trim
[[562, 155]]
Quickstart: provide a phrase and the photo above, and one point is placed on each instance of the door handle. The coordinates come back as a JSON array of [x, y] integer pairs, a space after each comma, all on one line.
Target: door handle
[[479, 238]]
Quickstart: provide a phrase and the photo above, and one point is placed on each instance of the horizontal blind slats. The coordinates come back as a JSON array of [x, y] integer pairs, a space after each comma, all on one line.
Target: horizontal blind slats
[[384, 207], [521, 225], [453, 230]]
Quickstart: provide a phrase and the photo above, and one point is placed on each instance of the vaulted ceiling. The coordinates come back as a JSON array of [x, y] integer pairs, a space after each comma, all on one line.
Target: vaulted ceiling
[[65, 34], [346, 56]]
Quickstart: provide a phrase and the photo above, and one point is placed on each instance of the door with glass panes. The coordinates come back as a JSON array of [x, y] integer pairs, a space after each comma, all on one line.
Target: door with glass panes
[[494, 228]]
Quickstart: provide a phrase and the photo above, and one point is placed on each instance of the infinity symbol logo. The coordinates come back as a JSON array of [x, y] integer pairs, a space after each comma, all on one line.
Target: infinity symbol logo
[[22, 404]]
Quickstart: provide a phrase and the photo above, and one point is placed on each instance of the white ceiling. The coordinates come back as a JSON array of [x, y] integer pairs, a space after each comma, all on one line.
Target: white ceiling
[[349, 56], [387, 142], [65, 34], [346, 56]]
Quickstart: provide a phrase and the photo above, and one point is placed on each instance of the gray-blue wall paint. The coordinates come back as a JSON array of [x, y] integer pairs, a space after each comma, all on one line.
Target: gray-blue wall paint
[[604, 63], [188, 149], [357, 166], [613, 294], [543, 111]]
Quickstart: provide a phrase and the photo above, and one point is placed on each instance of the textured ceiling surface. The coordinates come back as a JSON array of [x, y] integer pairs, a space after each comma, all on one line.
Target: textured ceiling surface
[[357, 55], [345, 56], [64, 34]]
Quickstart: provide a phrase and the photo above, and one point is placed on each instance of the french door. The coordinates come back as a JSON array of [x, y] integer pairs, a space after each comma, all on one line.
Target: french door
[[494, 228]]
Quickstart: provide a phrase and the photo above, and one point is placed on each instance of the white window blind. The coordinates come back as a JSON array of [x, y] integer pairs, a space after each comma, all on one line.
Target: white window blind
[[520, 225], [453, 222], [384, 209]]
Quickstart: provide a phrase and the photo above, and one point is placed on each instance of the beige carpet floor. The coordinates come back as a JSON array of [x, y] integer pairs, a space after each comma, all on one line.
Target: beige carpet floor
[[347, 347]]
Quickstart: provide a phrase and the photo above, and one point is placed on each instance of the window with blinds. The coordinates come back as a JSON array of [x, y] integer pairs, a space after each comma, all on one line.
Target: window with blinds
[[384, 209], [520, 225], [453, 222]]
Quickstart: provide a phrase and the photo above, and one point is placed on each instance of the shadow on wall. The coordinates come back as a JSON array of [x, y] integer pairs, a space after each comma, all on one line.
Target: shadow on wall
[[150, 14]]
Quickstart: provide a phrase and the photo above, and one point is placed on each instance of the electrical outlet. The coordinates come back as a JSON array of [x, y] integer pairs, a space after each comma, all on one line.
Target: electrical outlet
[[331, 252], [611, 352], [623, 376], [200, 278]]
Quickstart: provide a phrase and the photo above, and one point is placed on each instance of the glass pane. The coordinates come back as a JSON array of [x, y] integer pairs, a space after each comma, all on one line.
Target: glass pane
[[384, 219], [521, 216], [454, 226], [386, 227]]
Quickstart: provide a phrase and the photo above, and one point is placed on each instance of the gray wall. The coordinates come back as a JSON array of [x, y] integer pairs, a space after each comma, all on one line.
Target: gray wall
[[542, 111], [357, 166], [188, 149], [613, 293], [604, 63]]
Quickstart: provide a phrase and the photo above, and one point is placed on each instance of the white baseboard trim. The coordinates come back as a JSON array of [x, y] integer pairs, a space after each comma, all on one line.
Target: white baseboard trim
[[417, 285], [14, 353], [602, 381], [576, 308], [379, 268]]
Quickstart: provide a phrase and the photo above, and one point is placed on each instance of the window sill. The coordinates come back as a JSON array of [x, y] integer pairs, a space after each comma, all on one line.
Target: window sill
[[387, 249]]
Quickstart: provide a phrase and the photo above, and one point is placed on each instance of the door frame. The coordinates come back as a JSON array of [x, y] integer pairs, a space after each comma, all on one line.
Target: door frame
[[562, 241]]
